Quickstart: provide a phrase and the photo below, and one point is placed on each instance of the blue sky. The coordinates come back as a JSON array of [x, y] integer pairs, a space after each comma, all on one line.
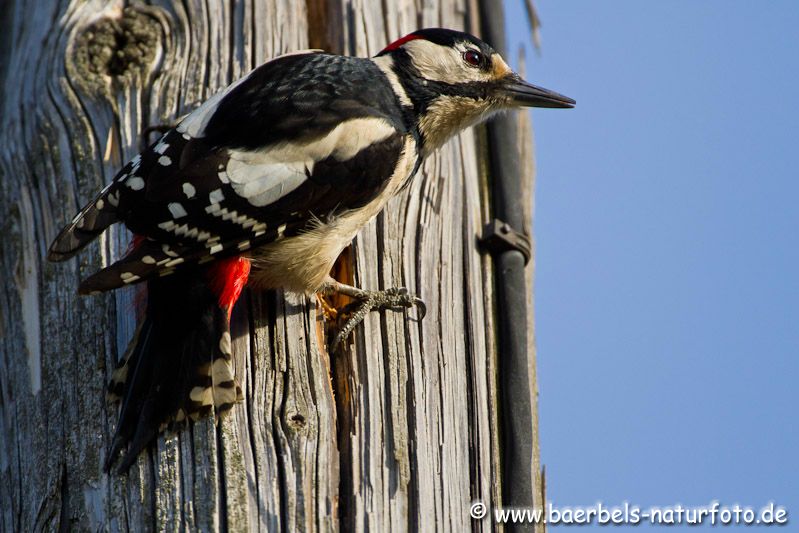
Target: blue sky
[[667, 290]]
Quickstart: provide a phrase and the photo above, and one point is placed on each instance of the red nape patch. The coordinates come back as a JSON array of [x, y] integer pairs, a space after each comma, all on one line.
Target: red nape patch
[[399, 42], [227, 278]]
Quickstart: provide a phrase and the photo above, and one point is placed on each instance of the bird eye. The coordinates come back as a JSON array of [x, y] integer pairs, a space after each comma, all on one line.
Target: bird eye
[[473, 58]]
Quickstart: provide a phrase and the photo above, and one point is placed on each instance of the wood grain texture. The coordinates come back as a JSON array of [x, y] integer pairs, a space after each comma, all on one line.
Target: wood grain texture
[[398, 431]]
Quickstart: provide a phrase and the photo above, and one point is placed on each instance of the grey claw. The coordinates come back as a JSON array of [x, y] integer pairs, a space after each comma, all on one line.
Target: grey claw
[[356, 318], [394, 297], [408, 300]]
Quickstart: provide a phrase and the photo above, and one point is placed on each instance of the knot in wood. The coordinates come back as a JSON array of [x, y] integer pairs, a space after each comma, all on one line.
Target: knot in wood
[[297, 421], [115, 49]]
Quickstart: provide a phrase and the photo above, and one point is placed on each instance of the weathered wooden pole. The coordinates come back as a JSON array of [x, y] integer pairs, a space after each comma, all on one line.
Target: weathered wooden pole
[[400, 431]]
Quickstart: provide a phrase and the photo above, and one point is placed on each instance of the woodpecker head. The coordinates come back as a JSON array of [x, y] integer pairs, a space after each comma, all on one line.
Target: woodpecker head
[[454, 80]]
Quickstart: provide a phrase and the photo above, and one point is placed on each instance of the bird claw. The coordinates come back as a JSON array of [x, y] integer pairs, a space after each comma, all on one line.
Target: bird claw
[[394, 298], [408, 300], [398, 297]]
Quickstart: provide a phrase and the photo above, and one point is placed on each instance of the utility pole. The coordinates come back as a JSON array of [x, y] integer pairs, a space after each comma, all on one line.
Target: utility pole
[[401, 430]]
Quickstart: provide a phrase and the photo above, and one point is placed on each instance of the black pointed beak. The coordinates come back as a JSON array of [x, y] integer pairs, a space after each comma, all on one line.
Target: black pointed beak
[[523, 94]]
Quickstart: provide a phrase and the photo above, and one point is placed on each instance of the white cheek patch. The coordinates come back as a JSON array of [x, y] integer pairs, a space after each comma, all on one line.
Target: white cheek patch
[[264, 176], [442, 63]]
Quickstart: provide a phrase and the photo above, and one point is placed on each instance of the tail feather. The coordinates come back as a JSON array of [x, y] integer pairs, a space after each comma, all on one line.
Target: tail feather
[[116, 387], [179, 366]]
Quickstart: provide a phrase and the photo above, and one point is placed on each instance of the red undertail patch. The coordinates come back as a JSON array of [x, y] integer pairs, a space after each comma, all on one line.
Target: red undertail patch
[[227, 278], [399, 42], [135, 242]]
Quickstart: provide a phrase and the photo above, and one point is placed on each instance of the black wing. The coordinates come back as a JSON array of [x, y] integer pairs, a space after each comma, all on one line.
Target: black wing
[[299, 139]]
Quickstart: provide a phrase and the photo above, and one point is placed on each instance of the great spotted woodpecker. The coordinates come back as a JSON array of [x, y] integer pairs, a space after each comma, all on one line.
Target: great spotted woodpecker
[[265, 184]]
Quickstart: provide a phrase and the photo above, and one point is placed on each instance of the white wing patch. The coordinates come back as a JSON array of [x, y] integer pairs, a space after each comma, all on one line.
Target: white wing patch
[[177, 210], [264, 176], [262, 184]]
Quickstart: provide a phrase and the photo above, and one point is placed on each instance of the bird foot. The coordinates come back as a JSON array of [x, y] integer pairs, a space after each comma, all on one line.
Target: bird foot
[[367, 301]]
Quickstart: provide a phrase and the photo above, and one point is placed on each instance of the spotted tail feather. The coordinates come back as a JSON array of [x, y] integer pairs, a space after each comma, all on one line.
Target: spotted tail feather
[[179, 366]]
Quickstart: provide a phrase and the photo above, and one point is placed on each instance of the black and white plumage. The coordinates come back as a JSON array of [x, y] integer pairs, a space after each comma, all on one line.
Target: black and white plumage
[[279, 171], [279, 151]]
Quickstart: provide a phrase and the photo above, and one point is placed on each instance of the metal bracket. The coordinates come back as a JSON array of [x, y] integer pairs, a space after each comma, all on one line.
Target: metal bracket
[[499, 237]]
